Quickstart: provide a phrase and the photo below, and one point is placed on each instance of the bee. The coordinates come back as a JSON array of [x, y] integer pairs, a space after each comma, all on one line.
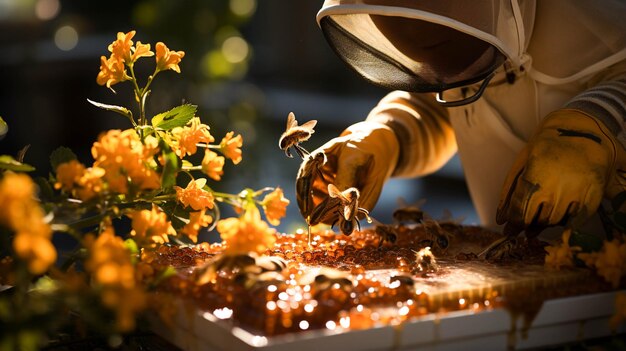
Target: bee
[[348, 208], [295, 134], [500, 249], [440, 238], [408, 213], [387, 233]]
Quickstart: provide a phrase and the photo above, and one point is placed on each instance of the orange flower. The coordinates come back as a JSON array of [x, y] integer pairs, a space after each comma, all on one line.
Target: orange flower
[[610, 261], [68, 174], [231, 147], [247, 233], [151, 226], [275, 206], [16, 199], [122, 46], [112, 71], [21, 213], [212, 165], [36, 250], [141, 50], [124, 157], [185, 138], [111, 267], [90, 184], [83, 183], [561, 255], [194, 196], [166, 59], [197, 220]]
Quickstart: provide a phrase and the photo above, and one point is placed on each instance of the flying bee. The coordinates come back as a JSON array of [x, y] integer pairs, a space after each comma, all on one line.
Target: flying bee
[[408, 213], [348, 208], [295, 134]]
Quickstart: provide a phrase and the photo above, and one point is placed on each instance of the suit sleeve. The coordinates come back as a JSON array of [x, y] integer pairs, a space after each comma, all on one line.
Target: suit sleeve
[[423, 130], [606, 101]]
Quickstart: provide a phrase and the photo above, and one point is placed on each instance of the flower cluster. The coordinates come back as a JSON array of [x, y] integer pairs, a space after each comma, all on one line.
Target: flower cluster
[[609, 262], [145, 174], [561, 255], [124, 54], [113, 272], [21, 213]]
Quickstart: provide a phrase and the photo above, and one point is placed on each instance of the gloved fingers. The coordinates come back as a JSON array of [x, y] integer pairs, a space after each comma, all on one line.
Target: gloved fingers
[[509, 186], [520, 198]]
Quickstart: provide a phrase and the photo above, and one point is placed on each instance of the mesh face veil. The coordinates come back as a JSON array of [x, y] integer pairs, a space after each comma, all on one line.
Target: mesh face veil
[[420, 46]]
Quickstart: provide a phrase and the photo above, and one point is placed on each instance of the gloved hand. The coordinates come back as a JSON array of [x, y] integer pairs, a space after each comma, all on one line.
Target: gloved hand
[[563, 172], [363, 156]]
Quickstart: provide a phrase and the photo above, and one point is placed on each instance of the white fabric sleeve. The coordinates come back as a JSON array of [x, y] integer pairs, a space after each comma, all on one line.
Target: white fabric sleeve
[[423, 129], [606, 101]]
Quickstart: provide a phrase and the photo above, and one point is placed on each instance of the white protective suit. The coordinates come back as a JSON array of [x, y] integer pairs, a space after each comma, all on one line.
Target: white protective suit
[[558, 53]]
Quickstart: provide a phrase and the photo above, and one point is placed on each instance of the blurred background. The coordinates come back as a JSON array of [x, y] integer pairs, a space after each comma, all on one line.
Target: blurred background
[[248, 63]]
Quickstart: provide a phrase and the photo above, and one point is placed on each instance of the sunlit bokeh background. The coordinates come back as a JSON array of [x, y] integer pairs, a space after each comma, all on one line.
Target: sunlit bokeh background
[[248, 63]]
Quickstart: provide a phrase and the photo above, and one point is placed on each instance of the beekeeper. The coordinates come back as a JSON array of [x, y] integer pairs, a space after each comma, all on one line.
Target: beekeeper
[[532, 94]]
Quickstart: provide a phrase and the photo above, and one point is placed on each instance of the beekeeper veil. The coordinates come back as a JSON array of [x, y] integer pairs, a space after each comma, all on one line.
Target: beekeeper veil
[[424, 46]]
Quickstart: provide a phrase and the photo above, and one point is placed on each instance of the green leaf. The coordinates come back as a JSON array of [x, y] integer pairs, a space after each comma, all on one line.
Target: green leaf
[[61, 155], [45, 189], [131, 246], [8, 162], [119, 109], [176, 117], [4, 128], [171, 167], [586, 241]]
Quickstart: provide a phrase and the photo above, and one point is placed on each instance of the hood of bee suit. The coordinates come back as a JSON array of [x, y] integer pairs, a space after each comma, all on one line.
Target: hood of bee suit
[[435, 45], [428, 45]]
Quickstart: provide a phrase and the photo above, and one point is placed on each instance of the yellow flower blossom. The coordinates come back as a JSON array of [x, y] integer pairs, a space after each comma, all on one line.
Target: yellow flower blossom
[[213, 165], [247, 233], [82, 183], [122, 46], [36, 250], [68, 174], [151, 226], [275, 206], [561, 255], [610, 261], [90, 184], [112, 71], [620, 311], [194, 196], [124, 157], [166, 59], [231, 147], [111, 267], [16, 199], [197, 220], [141, 50], [185, 139], [20, 212]]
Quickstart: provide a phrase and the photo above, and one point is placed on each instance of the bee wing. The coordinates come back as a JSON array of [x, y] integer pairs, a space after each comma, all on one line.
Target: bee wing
[[291, 121], [309, 126], [347, 212], [333, 191]]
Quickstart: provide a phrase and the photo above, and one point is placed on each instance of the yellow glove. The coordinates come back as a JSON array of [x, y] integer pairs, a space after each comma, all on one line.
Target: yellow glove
[[564, 171], [363, 156]]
